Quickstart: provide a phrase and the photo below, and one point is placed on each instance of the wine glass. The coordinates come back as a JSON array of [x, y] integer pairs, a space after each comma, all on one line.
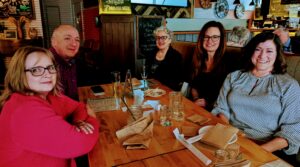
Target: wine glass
[[144, 77]]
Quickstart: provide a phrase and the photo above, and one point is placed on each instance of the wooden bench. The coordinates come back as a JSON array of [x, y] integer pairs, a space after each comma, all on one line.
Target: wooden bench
[[187, 49]]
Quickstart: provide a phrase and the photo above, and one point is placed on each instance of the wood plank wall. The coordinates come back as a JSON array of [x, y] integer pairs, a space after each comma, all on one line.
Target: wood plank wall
[[118, 43]]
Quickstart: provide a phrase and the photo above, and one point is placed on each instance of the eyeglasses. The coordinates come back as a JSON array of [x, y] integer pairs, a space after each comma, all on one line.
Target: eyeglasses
[[161, 38], [214, 38], [39, 71]]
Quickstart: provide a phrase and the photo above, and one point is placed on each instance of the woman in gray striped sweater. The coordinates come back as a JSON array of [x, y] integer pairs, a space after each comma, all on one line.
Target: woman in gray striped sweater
[[262, 99]]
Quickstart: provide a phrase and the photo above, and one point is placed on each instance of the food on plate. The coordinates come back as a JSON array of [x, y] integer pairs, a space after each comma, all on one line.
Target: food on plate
[[154, 92]]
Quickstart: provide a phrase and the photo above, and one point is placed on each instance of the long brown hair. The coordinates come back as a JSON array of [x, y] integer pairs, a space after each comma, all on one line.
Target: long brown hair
[[15, 78], [200, 54]]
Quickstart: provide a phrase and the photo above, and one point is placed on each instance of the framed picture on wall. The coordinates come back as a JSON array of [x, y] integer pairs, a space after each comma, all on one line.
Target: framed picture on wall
[[17, 8], [10, 34], [114, 7]]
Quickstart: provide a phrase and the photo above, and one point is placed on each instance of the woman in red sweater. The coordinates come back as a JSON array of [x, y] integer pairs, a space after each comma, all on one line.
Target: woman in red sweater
[[33, 126]]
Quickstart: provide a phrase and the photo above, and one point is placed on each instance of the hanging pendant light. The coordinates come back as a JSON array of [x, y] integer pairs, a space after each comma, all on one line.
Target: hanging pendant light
[[251, 3], [236, 2]]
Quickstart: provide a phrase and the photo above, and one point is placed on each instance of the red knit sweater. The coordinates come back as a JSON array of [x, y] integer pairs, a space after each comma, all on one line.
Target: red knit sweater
[[34, 132]]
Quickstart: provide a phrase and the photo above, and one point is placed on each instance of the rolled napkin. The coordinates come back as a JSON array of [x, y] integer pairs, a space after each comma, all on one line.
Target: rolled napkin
[[219, 135], [138, 134]]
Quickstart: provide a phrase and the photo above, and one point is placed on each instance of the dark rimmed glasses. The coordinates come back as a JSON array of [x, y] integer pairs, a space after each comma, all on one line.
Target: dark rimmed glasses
[[214, 38], [163, 38], [39, 70]]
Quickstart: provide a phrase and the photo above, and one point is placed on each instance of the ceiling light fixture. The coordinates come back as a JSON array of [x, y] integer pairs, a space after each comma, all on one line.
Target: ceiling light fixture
[[236, 2], [251, 3]]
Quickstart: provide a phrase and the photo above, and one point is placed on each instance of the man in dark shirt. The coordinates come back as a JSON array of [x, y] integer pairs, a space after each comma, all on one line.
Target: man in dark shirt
[[65, 44], [289, 44]]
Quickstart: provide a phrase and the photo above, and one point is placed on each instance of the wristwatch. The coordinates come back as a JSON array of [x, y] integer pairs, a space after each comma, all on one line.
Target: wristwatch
[[239, 11], [221, 8], [205, 4]]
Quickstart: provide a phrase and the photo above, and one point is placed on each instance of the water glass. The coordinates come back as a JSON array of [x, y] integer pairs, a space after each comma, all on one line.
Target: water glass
[[164, 115], [176, 105], [144, 77], [178, 112], [116, 80]]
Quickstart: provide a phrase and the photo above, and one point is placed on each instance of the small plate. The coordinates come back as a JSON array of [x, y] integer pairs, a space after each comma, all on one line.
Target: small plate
[[204, 129], [154, 92]]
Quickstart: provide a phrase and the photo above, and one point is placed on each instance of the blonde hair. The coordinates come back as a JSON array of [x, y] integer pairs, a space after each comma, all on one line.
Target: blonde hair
[[164, 29], [15, 79]]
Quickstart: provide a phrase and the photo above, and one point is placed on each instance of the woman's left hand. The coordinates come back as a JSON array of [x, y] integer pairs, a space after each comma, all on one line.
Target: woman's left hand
[[275, 144], [85, 127]]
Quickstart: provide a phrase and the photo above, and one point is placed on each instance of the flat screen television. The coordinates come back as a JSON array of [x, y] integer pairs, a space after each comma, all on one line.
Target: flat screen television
[[175, 3]]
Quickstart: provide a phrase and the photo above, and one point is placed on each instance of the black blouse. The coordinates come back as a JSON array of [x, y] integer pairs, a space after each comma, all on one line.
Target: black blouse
[[168, 71]]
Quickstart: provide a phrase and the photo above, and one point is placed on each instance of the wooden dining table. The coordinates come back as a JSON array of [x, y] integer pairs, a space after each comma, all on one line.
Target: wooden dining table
[[164, 149]]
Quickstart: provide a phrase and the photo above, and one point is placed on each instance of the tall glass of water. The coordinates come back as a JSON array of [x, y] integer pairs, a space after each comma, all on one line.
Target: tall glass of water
[[144, 77]]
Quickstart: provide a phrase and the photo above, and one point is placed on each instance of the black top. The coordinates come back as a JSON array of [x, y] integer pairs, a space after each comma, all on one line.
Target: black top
[[169, 71], [295, 43], [208, 84]]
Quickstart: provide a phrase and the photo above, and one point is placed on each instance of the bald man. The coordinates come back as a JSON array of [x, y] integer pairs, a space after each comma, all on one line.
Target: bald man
[[65, 43]]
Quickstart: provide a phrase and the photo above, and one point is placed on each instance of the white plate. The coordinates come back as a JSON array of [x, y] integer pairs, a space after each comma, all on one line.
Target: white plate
[[154, 92], [204, 129]]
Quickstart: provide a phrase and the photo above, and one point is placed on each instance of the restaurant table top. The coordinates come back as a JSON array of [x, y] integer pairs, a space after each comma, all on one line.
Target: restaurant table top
[[164, 149]]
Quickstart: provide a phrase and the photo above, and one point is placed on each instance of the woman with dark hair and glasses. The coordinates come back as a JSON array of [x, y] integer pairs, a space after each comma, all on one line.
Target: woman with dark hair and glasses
[[33, 126], [165, 63], [262, 100], [210, 65]]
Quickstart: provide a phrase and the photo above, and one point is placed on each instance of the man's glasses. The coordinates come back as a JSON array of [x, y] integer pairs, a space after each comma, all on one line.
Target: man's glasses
[[39, 71], [163, 38], [214, 38]]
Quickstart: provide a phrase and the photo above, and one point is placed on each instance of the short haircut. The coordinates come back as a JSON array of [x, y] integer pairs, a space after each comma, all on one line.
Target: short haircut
[[164, 29]]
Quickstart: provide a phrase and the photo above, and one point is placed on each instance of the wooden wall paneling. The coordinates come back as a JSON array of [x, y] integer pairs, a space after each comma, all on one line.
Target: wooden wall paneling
[[118, 43]]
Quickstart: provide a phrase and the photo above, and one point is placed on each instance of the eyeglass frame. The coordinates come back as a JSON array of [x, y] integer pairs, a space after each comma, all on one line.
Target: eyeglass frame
[[213, 38], [44, 69], [163, 38]]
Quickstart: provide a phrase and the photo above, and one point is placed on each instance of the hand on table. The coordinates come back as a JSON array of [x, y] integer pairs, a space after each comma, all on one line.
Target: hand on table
[[200, 102], [85, 127]]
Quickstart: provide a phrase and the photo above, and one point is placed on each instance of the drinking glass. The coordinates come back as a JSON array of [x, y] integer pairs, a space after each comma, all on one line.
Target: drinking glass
[[164, 115], [176, 106], [116, 79], [144, 77]]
